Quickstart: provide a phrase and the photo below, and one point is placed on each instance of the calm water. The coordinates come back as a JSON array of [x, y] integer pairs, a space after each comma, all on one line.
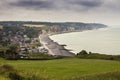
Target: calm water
[[105, 41]]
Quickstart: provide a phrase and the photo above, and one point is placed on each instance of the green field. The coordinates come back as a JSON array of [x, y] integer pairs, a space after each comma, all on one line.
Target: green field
[[62, 69]]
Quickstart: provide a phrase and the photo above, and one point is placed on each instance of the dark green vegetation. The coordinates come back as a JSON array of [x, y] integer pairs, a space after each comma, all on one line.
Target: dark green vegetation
[[41, 56], [62, 69], [13, 55], [12, 52], [84, 55]]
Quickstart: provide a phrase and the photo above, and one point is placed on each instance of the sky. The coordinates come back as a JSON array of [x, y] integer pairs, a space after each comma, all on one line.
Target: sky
[[88, 11]]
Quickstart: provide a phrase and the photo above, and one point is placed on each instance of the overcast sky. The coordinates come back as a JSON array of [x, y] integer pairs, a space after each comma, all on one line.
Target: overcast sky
[[90, 11]]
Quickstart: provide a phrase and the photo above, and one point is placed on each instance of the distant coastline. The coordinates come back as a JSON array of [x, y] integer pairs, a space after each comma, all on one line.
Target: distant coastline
[[56, 33], [25, 32], [50, 41], [103, 41]]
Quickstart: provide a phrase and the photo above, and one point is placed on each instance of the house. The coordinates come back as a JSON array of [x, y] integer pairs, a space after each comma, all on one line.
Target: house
[[1, 27], [42, 49], [23, 52]]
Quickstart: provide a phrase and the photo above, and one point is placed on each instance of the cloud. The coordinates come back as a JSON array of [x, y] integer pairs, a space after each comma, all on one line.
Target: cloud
[[57, 4], [83, 5], [61, 10], [86, 3], [113, 5], [33, 4]]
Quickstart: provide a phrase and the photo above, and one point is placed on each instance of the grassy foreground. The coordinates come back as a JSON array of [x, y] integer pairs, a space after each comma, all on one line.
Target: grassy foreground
[[66, 69]]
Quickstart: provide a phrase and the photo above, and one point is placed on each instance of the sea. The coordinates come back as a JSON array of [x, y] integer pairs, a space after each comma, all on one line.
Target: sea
[[103, 41]]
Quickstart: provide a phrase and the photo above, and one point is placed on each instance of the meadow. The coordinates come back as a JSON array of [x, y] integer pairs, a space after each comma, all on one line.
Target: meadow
[[66, 69]]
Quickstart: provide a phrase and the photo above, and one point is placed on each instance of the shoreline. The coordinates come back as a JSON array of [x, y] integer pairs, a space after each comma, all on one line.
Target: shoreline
[[57, 33], [64, 32], [99, 49], [54, 48]]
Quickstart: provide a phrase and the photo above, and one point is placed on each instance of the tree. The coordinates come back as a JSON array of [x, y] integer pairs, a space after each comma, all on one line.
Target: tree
[[12, 52], [83, 52]]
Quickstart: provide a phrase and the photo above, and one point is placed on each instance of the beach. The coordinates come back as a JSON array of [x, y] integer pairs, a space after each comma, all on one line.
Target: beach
[[54, 48], [103, 41]]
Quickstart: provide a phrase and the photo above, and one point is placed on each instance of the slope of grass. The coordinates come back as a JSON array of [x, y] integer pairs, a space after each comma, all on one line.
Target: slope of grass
[[3, 78], [61, 69], [100, 76]]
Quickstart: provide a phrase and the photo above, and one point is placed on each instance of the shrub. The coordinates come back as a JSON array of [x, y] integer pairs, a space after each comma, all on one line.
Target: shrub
[[15, 76], [2, 54], [6, 68], [40, 56], [10, 72], [33, 76], [84, 55], [101, 76], [83, 52]]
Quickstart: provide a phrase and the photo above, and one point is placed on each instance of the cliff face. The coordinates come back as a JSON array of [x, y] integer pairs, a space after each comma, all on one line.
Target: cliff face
[[70, 27], [56, 27]]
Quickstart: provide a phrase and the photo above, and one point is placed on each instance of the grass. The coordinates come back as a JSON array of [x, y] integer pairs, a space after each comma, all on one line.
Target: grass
[[62, 69], [100, 76], [84, 55], [3, 78]]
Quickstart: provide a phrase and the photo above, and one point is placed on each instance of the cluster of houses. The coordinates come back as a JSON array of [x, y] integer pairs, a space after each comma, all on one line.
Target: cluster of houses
[[26, 44], [30, 45]]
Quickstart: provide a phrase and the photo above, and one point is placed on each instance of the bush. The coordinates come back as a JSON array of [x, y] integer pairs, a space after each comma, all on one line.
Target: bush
[[83, 52], [101, 76], [33, 76], [6, 68], [10, 72], [15, 76], [84, 55], [40, 56], [2, 54], [12, 53]]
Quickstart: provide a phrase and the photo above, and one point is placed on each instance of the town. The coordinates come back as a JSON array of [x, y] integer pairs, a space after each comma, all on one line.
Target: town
[[21, 39]]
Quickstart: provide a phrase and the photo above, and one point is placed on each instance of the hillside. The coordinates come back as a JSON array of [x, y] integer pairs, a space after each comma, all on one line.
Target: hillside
[[66, 69], [55, 26]]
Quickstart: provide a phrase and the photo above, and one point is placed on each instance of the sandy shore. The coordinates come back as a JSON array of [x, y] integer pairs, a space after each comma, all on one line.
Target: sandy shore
[[53, 47]]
